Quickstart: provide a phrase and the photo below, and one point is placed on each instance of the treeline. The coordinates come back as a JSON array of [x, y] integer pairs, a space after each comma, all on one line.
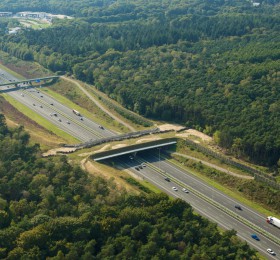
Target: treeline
[[209, 65], [69, 7], [50, 209]]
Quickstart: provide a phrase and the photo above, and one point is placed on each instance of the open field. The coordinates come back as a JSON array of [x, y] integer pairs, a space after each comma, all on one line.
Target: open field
[[34, 23]]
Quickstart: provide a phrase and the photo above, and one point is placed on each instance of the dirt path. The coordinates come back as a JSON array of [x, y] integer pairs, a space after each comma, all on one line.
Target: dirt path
[[217, 167], [99, 104]]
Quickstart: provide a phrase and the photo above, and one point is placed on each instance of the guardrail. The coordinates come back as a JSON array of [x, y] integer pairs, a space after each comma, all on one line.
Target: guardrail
[[216, 204]]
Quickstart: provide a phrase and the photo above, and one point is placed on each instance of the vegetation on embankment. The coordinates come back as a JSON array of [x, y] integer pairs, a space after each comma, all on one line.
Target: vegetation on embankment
[[256, 194], [49, 208]]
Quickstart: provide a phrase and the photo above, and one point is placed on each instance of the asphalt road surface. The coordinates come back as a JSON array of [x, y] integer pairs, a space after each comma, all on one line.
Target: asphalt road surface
[[155, 172], [81, 127]]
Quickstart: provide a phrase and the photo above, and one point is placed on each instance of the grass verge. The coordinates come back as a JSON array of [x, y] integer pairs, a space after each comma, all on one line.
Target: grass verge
[[11, 72], [227, 191], [69, 94], [40, 120]]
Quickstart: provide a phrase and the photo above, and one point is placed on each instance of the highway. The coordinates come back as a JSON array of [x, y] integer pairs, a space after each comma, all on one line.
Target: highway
[[157, 168], [80, 127], [155, 172]]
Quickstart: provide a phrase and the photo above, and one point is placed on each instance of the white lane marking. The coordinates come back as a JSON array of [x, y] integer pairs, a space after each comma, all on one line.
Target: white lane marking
[[209, 187]]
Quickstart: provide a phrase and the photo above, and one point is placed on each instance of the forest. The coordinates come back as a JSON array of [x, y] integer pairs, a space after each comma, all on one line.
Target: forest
[[210, 65], [50, 209]]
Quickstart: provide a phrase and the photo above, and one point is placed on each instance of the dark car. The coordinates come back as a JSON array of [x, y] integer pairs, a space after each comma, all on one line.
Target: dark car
[[167, 179], [254, 236], [238, 207]]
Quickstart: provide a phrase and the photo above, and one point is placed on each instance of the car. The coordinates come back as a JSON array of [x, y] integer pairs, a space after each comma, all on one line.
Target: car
[[34, 105], [270, 251], [174, 188], [137, 168], [140, 166], [59, 120], [144, 165], [41, 106], [54, 114], [22, 95], [185, 190], [81, 118], [254, 236], [167, 179], [131, 157], [101, 127], [238, 207], [68, 122], [51, 104], [41, 96]]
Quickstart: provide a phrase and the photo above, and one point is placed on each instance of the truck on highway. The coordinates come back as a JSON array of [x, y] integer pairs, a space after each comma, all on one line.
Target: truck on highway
[[76, 112], [273, 221]]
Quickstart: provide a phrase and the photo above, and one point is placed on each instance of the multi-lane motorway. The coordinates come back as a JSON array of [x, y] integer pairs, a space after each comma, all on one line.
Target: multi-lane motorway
[[59, 115], [157, 170]]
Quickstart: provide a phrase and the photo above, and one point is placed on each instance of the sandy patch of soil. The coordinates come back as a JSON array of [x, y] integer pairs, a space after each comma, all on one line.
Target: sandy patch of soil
[[119, 146], [170, 127], [104, 148], [196, 133], [11, 123], [148, 139]]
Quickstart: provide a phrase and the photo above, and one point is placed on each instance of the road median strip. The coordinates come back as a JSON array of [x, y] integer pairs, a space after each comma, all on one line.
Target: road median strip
[[65, 115], [214, 203]]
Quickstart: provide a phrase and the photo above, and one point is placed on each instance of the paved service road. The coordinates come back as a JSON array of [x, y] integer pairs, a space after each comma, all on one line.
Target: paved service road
[[156, 176], [63, 117]]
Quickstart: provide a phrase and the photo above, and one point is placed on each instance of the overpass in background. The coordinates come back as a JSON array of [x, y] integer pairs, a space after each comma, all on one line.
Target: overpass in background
[[132, 149], [29, 81]]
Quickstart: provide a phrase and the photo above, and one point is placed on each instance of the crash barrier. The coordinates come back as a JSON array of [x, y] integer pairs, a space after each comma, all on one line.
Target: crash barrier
[[258, 175]]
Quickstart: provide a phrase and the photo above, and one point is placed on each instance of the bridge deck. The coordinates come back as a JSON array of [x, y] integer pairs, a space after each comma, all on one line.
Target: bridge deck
[[27, 80], [133, 148]]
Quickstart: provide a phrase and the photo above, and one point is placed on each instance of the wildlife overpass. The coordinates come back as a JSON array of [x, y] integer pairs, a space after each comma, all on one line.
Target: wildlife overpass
[[132, 149]]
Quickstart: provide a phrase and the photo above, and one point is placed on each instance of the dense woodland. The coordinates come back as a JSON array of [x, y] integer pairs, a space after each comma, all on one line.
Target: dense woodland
[[50, 209], [212, 65]]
